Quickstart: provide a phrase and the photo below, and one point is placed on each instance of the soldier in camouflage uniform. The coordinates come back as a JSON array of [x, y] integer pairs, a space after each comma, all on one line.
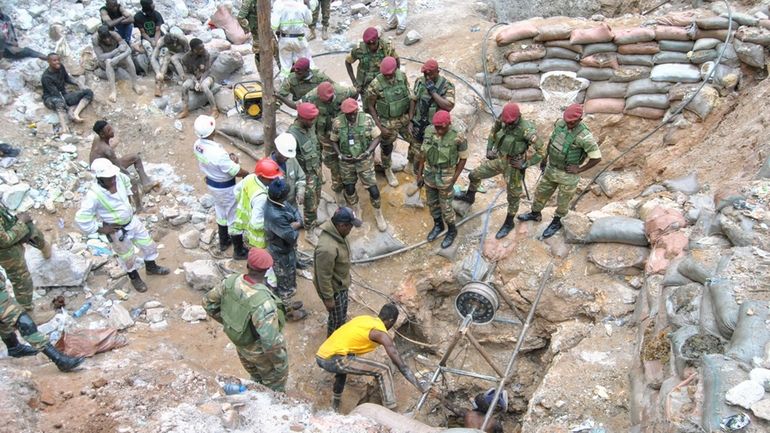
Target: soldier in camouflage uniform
[[369, 54], [300, 82], [570, 144], [247, 18], [309, 158], [432, 92], [253, 319], [442, 159], [16, 231], [355, 136], [388, 98], [327, 97], [13, 317], [507, 147]]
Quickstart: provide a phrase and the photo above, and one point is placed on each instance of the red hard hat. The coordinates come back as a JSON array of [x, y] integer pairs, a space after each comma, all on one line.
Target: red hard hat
[[268, 169]]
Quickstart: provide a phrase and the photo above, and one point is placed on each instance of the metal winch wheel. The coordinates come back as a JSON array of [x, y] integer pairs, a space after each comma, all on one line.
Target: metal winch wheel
[[478, 299]]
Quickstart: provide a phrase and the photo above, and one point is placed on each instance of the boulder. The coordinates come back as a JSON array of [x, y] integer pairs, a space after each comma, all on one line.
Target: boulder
[[202, 274], [613, 183], [63, 269], [14, 196], [190, 239], [120, 318], [687, 184], [761, 409], [745, 394], [618, 258], [761, 376], [412, 37], [155, 315], [194, 313], [576, 227]]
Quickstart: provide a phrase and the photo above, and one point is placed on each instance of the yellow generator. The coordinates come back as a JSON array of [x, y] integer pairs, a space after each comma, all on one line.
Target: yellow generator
[[248, 98]]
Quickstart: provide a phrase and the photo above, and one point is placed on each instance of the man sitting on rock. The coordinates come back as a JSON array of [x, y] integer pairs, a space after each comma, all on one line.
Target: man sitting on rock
[[112, 51], [116, 17], [56, 97], [102, 148], [176, 46], [9, 43], [106, 209], [197, 66]]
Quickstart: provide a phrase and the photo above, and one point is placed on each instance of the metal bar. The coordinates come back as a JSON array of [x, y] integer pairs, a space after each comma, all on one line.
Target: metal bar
[[510, 303], [507, 321], [519, 343], [484, 354], [469, 374]]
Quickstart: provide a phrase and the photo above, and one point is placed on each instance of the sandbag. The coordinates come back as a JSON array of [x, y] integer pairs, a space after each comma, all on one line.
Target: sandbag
[[622, 230], [673, 277], [601, 60], [751, 334], [633, 35], [605, 105], [526, 53], [521, 81], [592, 49], [705, 44], [730, 56], [678, 340], [225, 20], [89, 342], [750, 54], [675, 73], [250, 131], [670, 57], [659, 101], [225, 64], [646, 87], [515, 32], [520, 69], [646, 113], [715, 34], [551, 32], [593, 35], [672, 33], [694, 270], [561, 53], [640, 48], [713, 23], [626, 74], [718, 374], [703, 102], [606, 89], [679, 91], [679, 19], [679, 46], [566, 45], [724, 306], [580, 98], [686, 184], [491, 78], [724, 77], [548, 65], [517, 95], [595, 74], [635, 59], [702, 56], [742, 19]]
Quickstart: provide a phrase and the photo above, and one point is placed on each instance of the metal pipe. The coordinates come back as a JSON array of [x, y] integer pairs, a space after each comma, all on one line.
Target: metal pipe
[[519, 344], [469, 374], [484, 354]]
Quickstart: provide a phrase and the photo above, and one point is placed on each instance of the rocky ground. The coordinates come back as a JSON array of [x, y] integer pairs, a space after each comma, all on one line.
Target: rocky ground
[[597, 358]]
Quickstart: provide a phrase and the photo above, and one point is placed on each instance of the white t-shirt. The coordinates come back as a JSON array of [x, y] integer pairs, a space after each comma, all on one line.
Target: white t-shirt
[[214, 161]]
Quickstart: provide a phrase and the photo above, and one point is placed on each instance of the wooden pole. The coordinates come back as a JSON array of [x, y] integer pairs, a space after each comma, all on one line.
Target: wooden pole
[[266, 46]]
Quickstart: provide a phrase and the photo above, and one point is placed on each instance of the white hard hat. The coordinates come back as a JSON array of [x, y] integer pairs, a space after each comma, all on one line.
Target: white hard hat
[[286, 145], [102, 167], [204, 126]]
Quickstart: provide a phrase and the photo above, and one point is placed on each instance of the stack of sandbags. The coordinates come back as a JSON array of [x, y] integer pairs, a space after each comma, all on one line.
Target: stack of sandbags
[[520, 76], [599, 62]]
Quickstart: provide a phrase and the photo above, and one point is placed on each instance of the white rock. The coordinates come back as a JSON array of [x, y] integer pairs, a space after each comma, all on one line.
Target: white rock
[[120, 318], [37, 10], [159, 326], [180, 219], [202, 274], [207, 236], [198, 217], [63, 269], [23, 19], [761, 376], [218, 34], [13, 197], [180, 8], [190, 239], [193, 313], [762, 409], [412, 37], [9, 177], [169, 212], [92, 24], [69, 148], [745, 394], [359, 8], [155, 315], [152, 304], [206, 200]]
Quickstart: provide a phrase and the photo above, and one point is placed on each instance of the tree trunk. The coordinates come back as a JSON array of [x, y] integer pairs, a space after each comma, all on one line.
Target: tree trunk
[[266, 46]]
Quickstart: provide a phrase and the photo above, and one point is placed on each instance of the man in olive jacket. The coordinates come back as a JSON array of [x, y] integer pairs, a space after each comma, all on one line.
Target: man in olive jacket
[[331, 267]]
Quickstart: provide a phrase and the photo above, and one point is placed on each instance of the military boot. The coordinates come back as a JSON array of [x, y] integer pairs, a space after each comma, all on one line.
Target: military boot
[[224, 238], [531, 216], [136, 281], [469, 196], [552, 228], [16, 349], [311, 35], [156, 269], [63, 362], [451, 234], [240, 252], [381, 224], [392, 181], [438, 227], [325, 33], [506, 228]]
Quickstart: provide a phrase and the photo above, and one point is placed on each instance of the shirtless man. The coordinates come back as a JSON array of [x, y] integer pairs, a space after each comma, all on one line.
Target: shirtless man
[[176, 46], [102, 148], [197, 65], [112, 51]]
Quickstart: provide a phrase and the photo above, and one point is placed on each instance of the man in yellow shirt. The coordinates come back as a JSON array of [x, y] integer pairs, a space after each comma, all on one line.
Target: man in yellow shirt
[[339, 354]]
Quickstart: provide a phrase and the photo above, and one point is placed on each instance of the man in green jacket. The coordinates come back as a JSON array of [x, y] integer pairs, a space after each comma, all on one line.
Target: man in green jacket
[[331, 266], [253, 318], [309, 158], [301, 80]]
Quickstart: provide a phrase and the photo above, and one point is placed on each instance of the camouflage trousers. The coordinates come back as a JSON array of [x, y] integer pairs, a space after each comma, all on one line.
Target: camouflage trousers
[[324, 7], [554, 178], [312, 195], [12, 260], [396, 127], [513, 179], [9, 315], [270, 368], [285, 269], [364, 170], [332, 161], [439, 191], [341, 366]]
